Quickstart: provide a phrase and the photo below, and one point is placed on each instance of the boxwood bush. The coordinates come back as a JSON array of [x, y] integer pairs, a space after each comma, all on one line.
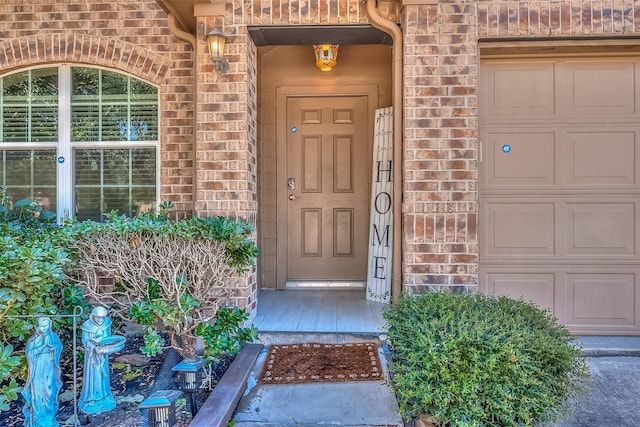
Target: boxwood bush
[[476, 360]]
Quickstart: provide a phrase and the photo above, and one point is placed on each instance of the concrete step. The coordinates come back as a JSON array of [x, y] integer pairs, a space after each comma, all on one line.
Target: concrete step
[[268, 337], [597, 346], [365, 403]]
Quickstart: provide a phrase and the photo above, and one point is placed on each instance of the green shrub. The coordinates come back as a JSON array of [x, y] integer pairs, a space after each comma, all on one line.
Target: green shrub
[[171, 276], [475, 360], [33, 261]]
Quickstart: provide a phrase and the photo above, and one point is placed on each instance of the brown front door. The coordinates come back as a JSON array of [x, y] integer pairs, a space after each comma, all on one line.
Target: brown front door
[[327, 188]]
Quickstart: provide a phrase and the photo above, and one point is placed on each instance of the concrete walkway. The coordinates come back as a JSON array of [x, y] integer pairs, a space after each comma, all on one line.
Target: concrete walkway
[[613, 399]]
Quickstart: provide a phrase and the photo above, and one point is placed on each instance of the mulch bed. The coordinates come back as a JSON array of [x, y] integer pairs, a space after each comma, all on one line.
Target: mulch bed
[[313, 362], [129, 384]]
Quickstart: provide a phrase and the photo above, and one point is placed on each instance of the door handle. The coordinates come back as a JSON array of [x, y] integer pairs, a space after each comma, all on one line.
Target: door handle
[[292, 197]]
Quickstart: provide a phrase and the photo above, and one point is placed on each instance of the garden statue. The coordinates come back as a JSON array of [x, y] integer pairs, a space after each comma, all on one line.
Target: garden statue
[[96, 396], [43, 383]]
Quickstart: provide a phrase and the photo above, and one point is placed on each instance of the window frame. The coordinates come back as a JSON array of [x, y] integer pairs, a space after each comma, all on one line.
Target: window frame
[[65, 147]]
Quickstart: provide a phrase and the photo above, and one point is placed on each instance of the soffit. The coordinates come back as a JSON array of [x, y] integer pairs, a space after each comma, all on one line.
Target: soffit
[[309, 34], [183, 11]]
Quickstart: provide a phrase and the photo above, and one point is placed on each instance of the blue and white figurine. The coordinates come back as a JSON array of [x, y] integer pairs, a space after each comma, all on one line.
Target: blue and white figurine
[[43, 383], [96, 396]]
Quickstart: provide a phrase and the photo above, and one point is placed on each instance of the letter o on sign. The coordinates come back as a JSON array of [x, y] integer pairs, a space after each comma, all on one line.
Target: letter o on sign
[[383, 203]]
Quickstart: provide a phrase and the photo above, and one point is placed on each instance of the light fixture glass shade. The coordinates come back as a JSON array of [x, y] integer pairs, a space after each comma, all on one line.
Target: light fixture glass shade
[[326, 56], [215, 40]]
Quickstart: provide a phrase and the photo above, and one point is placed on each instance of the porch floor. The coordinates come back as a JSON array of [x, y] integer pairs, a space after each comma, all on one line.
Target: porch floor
[[318, 310]]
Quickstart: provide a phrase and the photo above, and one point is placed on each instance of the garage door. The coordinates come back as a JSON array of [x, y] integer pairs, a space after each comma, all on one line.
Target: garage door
[[559, 187]]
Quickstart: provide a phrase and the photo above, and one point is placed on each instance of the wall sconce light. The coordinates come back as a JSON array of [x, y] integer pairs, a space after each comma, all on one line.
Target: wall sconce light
[[326, 56], [215, 39]]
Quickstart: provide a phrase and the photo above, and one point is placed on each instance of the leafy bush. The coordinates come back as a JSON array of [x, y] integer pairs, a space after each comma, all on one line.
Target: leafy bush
[[171, 276], [475, 360], [33, 260]]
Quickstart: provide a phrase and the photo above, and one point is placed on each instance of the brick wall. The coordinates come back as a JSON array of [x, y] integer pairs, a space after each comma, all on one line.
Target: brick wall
[[217, 174], [441, 64], [131, 37], [440, 133]]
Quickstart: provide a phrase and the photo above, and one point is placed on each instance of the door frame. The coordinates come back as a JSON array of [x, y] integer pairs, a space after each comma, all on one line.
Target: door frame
[[282, 94]]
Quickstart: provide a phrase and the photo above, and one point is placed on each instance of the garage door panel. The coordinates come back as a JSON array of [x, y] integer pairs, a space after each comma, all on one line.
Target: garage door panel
[[559, 189], [519, 229], [538, 288], [602, 299], [523, 89], [601, 158], [601, 229], [519, 159], [596, 88]]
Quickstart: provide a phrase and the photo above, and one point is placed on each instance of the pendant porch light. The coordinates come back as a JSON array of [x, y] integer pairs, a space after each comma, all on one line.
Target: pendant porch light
[[326, 56]]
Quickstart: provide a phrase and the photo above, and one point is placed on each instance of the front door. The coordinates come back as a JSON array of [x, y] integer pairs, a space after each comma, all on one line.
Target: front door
[[327, 188]]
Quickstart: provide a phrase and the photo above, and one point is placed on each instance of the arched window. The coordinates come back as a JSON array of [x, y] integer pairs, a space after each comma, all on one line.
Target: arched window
[[83, 141]]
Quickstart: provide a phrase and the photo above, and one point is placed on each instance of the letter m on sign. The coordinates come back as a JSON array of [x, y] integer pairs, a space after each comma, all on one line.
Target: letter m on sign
[[381, 228]]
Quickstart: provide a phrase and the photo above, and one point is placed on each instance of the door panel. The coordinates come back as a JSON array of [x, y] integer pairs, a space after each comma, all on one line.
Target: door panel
[[327, 211]]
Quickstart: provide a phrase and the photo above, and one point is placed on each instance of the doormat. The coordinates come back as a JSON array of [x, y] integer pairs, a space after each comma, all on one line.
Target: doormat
[[313, 362]]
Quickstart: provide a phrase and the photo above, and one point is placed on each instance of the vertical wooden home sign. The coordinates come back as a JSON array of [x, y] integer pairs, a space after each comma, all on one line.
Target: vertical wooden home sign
[[381, 229]]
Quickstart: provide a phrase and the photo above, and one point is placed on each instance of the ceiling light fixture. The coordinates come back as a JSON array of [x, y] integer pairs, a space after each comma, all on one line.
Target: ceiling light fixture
[[326, 56]]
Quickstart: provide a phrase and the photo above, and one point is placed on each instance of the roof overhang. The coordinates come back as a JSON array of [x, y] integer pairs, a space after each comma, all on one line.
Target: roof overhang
[[185, 12], [316, 34]]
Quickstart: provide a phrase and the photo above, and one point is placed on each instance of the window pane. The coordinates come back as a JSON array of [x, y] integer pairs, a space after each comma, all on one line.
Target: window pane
[[46, 196], [145, 200], [44, 168], [143, 167], [16, 87], [18, 168], [15, 124], [29, 106], [116, 167], [88, 167], [85, 123], [117, 199], [85, 83], [88, 205], [122, 179], [141, 90], [44, 83], [44, 123], [114, 123], [30, 174], [144, 122], [114, 84]]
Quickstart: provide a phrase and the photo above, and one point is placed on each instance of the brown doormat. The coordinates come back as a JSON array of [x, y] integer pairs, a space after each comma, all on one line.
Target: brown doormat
[[313, 362]]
